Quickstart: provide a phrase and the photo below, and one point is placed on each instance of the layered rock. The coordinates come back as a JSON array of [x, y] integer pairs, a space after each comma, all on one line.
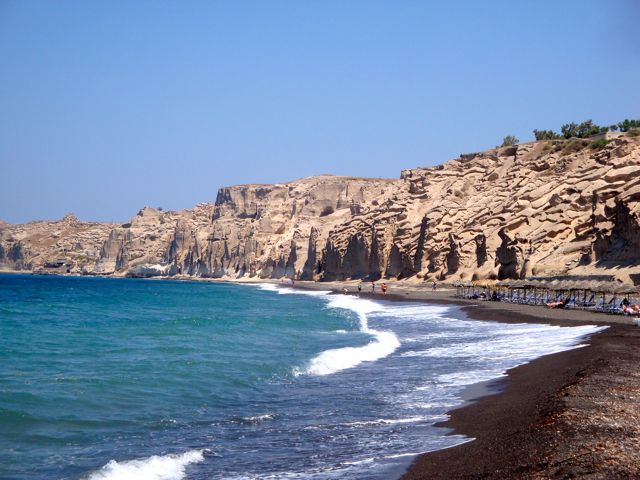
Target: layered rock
[[542, 208], [534, 209]]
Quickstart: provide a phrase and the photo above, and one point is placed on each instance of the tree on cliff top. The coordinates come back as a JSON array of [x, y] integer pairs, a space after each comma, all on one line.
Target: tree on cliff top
[[546, 135], [627, 125], [509, 140], [582, 130]]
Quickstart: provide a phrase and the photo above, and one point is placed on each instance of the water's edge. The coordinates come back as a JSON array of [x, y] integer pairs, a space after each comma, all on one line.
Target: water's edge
[[337, 359]]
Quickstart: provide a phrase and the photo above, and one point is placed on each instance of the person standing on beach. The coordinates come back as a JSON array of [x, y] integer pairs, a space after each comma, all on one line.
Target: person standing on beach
[[384, 288], [359, 287], [433, 286], [373, 287]]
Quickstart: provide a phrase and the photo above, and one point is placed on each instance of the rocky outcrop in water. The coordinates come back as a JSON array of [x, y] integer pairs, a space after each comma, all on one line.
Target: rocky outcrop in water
[[543, 208]]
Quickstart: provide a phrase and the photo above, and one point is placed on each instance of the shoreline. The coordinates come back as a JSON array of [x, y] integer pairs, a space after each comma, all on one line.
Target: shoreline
[[570, 414], [558, 416]]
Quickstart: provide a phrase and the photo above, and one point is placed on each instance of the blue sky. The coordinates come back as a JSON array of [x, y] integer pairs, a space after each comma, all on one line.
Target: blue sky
[[106, 107]]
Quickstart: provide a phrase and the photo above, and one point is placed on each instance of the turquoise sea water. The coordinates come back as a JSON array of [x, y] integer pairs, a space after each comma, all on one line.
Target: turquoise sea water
[[134, 379]]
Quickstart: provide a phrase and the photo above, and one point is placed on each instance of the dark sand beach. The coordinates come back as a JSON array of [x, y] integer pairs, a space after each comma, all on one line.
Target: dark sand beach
[[574, 414]]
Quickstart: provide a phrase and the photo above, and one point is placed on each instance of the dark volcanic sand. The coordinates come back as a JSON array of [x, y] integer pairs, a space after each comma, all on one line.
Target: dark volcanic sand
[[574, 414]]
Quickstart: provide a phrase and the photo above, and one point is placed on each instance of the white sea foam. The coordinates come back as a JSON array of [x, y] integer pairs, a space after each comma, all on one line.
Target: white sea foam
[[360, 462], [335, 360], [287, 290], [269, 287], [508, 342], [379, 422], [258, 418], [468, 377], [390, 421], [419, 311], [507, 346], [167, 467], [402, 455], [338, 359], [297, 291]]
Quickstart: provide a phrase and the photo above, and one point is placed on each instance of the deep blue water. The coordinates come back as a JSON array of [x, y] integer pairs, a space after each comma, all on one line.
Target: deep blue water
[[133, 379]]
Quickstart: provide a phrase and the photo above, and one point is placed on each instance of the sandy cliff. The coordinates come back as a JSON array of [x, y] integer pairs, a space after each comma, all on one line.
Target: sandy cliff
[[557, 207], [66, 244]]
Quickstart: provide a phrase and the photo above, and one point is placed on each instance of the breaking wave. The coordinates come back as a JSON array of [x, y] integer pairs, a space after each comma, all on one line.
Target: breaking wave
[[167, 467], [337, 359]]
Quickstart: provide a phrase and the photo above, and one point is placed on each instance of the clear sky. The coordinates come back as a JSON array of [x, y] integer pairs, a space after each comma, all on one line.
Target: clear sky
[[106, 107]]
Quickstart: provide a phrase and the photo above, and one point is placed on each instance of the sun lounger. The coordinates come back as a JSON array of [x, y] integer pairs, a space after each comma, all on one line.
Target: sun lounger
[[614, 308], [588, 303]]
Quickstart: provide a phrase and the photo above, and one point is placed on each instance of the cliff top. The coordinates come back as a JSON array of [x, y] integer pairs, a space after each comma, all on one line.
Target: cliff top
[[312, 179]]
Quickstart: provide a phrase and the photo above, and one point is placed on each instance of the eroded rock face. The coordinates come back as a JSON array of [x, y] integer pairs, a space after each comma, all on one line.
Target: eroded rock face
[[507, 257], [540, 208], [453, 256], [156, 237], [313, 265], [481, 249], [620, 242], [283, 230]]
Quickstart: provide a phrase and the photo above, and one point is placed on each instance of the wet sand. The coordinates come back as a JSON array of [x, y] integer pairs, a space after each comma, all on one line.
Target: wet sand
[[574, 414]]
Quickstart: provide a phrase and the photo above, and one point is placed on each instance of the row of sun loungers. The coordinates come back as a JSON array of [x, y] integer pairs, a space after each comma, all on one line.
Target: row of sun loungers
[[593, 302]]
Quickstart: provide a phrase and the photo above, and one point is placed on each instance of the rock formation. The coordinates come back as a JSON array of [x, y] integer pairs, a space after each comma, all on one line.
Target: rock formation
[[62, 245], [554, 207]]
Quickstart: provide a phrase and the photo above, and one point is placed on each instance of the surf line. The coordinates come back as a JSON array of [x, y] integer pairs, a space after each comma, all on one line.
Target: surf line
[[383, 344]]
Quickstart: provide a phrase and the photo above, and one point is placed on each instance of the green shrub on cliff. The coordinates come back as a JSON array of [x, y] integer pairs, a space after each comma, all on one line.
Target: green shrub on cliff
[[627, 125], [546, 135], [509, 140], [574, 146], [581, 130], [584, 130], [599, 143]]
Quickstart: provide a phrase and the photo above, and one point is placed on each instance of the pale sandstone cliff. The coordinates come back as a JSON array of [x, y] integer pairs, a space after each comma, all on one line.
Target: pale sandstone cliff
[[63, 244], [555, 207]]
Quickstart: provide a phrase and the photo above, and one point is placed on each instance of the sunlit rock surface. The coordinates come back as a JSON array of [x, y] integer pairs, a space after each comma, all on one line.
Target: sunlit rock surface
[[555, 207]]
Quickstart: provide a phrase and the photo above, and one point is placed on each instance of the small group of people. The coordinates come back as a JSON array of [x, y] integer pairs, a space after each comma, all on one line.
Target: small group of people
[[486, 295], [558, 304], [383, 287], [629, 308]]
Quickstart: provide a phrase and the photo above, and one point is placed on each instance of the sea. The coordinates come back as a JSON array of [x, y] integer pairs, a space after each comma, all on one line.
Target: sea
[[122, 379]]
